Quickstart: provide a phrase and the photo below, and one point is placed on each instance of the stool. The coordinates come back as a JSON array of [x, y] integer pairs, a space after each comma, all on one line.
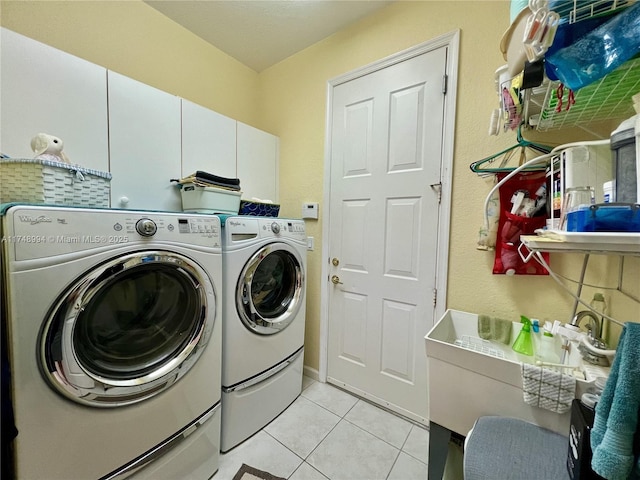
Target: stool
[[510, 448]]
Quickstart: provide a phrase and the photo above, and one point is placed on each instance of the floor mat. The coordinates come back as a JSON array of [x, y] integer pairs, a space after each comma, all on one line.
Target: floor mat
[[249, 473]]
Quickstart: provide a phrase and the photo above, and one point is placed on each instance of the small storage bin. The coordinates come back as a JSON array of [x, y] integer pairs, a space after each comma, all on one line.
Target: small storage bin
[[605, 217], [49, 182], [259, 209], [579, 452], [197, 199], [623, 148]]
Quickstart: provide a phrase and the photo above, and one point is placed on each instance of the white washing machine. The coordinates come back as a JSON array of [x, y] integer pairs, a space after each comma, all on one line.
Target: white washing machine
[[263, 314], [114, 338]]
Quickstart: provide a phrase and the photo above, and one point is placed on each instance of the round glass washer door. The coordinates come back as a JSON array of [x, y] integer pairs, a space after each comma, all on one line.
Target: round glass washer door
[[270, 289], [128, 329]]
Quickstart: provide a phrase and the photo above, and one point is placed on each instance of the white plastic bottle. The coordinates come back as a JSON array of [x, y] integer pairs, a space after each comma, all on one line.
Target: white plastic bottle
[[548, 350]]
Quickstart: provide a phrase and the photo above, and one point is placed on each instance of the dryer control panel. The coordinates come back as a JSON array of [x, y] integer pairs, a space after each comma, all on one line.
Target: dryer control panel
[[248, 227], [282, 227]]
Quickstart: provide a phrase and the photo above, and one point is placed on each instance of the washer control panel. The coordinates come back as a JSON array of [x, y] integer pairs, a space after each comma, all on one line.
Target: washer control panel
[[37, 231], [146, 227]]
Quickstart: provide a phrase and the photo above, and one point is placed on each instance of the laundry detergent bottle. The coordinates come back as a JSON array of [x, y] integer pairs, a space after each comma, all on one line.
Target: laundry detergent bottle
[[523, 343]]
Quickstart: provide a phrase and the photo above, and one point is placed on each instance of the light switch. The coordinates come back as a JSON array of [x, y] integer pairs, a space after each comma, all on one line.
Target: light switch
[[310, 210], [310, 244]]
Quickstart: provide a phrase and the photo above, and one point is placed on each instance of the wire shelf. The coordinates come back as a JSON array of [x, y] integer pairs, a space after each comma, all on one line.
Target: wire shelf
[[478, 345], [577, 10], [607, 99]]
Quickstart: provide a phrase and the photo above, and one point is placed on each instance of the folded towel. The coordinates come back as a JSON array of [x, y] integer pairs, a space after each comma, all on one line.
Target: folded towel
[[210, 177], [490, 328], [205, 179], [547, 389], [616, 419]]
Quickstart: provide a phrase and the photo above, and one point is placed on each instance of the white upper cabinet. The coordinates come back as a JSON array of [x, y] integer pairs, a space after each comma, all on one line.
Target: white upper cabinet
[[257, 160], [208, 141], [145, 137], [144, 142], [45, 90]]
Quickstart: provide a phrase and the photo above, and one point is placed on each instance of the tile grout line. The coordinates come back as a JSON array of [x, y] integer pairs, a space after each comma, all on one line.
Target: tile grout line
[[412, 423], [343, 418]]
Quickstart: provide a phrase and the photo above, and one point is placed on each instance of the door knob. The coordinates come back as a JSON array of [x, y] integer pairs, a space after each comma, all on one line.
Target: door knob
[[335, 279], [335, 262]]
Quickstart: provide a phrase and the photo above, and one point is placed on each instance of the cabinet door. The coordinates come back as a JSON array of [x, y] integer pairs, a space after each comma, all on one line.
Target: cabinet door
[[45, 90], [208, 141], [257, 158], [144, 143]]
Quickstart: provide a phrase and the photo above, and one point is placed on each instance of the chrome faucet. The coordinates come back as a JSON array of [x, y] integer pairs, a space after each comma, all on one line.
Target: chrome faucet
[[594, 338], [594, 327]]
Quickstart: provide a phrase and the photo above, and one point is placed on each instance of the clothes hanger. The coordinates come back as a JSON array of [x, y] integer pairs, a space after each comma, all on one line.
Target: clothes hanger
[[508, 153]]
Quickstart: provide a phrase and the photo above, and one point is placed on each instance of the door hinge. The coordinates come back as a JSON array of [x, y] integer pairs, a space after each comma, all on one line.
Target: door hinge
[[445, 79], [435, 296]]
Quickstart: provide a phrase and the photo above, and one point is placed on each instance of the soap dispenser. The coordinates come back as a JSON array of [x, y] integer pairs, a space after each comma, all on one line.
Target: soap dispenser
[[523, 342]]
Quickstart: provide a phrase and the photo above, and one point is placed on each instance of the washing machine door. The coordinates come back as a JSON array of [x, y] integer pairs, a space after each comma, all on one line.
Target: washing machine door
[[128, 329], [270, 289]]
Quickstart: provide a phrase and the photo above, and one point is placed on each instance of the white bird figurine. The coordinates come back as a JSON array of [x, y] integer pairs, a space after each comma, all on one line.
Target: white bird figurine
[[48, 147]]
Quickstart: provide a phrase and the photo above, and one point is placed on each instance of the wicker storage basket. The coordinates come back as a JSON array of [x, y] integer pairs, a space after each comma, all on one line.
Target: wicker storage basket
[[50, 182]]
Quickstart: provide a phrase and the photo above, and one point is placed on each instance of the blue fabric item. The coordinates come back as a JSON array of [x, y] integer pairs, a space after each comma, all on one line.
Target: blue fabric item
[[616, 419]]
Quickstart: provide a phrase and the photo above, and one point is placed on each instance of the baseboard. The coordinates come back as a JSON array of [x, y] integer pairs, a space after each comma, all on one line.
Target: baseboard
[[311, 373]]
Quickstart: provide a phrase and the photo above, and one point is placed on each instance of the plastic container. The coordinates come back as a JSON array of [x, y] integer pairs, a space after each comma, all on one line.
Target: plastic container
[[198, 199], [598, 386], [548, 349], [511, 44], [609, 191], [605, 217], [623, 148]]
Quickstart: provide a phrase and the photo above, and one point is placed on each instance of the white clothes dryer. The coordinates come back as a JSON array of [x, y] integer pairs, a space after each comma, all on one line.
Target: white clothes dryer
[[264, 273], [114, 339]]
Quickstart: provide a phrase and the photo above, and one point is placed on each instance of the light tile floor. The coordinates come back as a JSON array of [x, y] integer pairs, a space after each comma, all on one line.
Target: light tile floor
[[328, 434]]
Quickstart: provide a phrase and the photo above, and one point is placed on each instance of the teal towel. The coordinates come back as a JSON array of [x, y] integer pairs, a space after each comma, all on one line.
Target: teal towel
[[491, 328], [616, 419]]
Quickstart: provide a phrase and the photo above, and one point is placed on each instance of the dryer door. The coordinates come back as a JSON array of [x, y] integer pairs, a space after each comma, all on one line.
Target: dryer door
[[128, 329], [270, 289]]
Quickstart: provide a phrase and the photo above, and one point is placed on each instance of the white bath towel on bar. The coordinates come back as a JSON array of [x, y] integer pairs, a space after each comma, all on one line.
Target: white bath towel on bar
[[547, 389]]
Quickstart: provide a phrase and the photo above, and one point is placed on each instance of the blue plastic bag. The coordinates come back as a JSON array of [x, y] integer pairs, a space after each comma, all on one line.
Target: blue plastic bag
[[598, 52]]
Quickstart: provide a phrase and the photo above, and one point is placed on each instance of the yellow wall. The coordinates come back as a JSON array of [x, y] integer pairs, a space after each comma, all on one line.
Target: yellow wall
[[289, 100], [294, 95]]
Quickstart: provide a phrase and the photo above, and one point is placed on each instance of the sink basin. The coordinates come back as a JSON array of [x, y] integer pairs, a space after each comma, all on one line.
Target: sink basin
[[470, 377]]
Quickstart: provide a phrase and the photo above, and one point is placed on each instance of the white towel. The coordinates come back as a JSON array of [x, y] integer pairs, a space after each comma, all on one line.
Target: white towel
[[547, 389]]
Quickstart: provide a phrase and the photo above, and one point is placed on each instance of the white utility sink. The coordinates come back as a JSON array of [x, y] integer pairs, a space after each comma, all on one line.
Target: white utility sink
[[469, 377]]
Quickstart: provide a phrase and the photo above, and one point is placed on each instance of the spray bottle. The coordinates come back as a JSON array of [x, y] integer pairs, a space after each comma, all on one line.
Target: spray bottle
[[523, 343]]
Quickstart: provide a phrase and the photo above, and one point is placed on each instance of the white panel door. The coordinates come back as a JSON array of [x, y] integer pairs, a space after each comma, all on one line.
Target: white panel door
[[45, 90], [208, 141], [144, 142], [386, 151], [257, 159]]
